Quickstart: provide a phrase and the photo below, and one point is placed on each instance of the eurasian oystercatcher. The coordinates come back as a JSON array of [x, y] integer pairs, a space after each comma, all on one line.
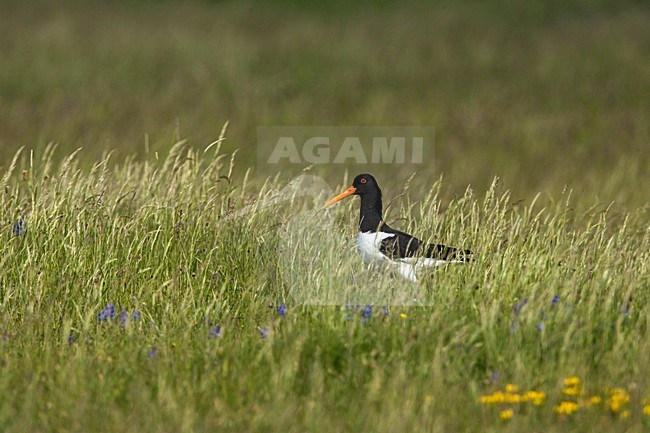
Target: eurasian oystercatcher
[[385, 247]]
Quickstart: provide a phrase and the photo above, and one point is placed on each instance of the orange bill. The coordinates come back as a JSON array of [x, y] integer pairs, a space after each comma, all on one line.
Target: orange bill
[[341, 196]]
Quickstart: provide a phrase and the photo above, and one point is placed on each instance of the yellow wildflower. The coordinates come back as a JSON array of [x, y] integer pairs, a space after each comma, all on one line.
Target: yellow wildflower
[[572, 391], [566, 408], [625, 414], [536, 397], [402, 315], [512, 388], [595, 399], [618, 398], [615, 406], [496, 397], [507, 414], [572, 381]]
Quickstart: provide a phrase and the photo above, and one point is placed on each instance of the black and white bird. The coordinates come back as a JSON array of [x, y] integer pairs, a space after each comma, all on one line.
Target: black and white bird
[[384, 247]]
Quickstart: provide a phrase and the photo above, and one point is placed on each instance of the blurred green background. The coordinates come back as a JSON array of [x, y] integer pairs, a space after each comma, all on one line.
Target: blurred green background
[[545, 94]]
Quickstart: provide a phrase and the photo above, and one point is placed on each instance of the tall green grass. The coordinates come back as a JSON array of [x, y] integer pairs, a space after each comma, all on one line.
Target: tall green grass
[[196, 252], [182, 242]]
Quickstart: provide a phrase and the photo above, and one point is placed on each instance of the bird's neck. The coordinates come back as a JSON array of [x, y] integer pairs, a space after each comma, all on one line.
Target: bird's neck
[[370, 216]]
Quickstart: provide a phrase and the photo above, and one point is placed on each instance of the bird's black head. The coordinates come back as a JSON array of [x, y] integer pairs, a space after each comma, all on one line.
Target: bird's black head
[[365, 184]]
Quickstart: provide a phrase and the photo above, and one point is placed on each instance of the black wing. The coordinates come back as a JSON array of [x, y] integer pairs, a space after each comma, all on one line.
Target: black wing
[[403, 245]]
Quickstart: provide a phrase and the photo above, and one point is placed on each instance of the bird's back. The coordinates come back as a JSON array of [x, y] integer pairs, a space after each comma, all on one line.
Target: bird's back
[[402, 245]]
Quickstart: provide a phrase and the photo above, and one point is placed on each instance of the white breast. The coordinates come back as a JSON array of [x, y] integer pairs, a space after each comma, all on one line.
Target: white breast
[[368, 245]]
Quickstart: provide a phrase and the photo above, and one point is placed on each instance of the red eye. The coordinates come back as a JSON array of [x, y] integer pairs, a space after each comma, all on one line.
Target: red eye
[[363, 180]]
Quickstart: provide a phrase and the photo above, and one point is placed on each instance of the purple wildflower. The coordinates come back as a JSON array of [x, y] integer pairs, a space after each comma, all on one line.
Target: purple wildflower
[[264, 332], [215, 332], [555, 299], [366, 313], [152, 352], [20, 227], [540, 326], [136, 315], [282, 310], [124, 315], [107, 313], [520, 305]]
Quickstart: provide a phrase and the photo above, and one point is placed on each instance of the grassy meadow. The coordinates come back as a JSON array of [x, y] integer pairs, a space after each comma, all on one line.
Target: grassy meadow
[[152, 279]]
